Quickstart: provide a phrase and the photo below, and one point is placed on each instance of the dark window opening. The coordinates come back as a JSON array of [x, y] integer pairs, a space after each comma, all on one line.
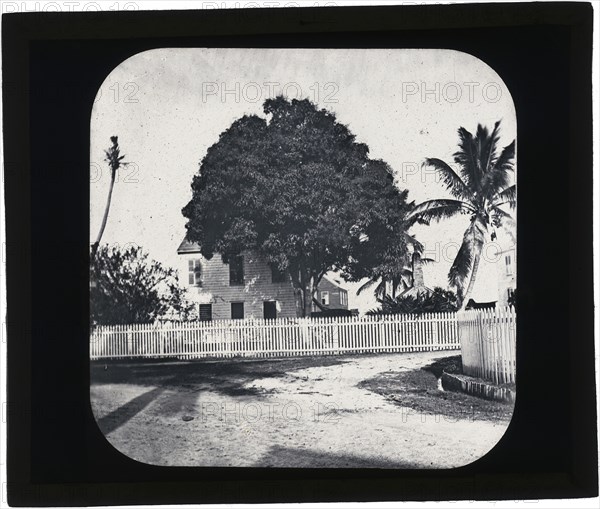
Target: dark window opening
[[277, 276], [237, 310], [205, 312], [236, 270], [269, 310]]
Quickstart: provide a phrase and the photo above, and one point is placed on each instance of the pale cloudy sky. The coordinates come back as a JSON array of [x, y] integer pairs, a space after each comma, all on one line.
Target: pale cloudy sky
[[169, 105]]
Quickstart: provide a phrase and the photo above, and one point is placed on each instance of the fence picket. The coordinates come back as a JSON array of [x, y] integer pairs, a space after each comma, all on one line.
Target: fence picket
[[488, 339], [321, 336]]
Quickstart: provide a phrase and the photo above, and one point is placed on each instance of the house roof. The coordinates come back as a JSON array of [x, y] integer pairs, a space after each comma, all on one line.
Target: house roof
[[188, 247], [333, 281]]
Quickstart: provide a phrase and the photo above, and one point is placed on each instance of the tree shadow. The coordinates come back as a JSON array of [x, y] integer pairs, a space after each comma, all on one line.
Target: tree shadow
[[227, 376], [288, 457], [124, 413]]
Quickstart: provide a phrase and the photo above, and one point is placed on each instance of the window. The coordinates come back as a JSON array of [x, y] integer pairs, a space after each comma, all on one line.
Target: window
[[325, 298], [236, 270], [508, 262], [343, 298], [277, 276], [205, 312], [237, 310], [194, 272], [269, 309]]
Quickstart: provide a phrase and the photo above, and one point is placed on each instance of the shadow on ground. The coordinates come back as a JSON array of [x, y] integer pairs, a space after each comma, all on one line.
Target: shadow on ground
[[121, 415], [223, 376], [287, 457]]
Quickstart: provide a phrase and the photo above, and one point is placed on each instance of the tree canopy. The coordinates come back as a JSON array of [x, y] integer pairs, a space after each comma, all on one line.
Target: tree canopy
[[127, 287], [297, 188]]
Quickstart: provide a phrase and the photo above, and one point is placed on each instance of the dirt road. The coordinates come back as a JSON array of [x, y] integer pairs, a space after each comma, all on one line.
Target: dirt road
[[272, 413]]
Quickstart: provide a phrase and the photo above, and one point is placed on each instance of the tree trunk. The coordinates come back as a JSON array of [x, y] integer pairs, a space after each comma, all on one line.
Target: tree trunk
[[308, 292], [306, 301], [476, 258], [105, 218]]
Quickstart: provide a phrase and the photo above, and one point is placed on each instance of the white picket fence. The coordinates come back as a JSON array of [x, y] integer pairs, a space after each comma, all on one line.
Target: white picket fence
[[277, 338], [488, 343]]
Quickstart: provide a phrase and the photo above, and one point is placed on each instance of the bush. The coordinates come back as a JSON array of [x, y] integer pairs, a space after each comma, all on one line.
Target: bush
[[437, 300]]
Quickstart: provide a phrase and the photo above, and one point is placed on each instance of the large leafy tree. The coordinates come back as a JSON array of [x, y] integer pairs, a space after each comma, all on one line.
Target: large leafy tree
[[482, 187], [299, 189], [131, 288]]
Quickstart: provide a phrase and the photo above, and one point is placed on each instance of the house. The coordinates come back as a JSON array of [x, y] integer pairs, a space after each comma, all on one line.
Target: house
[[246, 287], [507, 273], [330, 294]]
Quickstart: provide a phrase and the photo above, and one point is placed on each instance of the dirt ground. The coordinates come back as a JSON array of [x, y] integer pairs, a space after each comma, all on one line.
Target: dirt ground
[[311, 412]]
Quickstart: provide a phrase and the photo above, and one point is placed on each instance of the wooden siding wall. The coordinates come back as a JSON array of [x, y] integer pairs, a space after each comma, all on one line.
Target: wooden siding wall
[[256, 289], [334, 294]]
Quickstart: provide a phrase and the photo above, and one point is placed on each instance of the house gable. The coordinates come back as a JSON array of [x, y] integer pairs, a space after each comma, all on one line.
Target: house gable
[[330, 294]]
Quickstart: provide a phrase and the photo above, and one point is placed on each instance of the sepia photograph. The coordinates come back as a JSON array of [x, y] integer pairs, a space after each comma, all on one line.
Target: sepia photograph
[[303, 258]]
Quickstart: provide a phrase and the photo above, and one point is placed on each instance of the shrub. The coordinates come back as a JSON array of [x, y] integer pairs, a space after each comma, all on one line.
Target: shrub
[[437, 300]]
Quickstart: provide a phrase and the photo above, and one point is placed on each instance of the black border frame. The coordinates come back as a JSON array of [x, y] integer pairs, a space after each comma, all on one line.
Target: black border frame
[[53, 66]]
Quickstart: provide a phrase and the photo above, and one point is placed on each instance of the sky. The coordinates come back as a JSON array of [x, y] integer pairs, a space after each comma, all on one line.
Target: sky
[[168, 106]]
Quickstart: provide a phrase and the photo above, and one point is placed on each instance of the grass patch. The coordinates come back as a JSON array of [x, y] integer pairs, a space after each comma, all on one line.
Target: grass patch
[[417, 389]]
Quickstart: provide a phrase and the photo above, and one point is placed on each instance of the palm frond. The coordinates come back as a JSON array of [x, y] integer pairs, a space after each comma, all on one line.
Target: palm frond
[[366, 286], [467, 160], [504, 220], [439, 209], [498, 177], [380, 289], [488, 144], [502, 214], [505, 161], [412, 240], [449, 177], [508, 195]]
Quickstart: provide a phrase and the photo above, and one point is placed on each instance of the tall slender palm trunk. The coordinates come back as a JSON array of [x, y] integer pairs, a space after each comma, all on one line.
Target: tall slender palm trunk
[[476, 259], [105, 218]]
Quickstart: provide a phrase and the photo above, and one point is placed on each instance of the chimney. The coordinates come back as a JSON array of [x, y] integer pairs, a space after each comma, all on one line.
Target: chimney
[[418, 279]]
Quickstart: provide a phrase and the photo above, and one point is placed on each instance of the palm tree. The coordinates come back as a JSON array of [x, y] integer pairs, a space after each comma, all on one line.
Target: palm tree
[[399, 276], [114, 160], [481, 187], [402, 277]]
